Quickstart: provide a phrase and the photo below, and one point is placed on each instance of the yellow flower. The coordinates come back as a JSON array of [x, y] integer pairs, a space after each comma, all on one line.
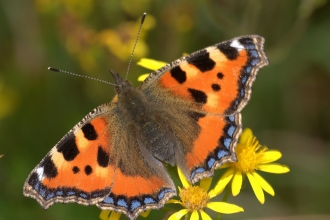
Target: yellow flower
[[195, 199], [251, 156], [149, 64]]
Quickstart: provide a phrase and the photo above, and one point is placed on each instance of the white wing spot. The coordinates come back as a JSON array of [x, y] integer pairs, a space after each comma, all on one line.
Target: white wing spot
[[237, 45], [40, 172]]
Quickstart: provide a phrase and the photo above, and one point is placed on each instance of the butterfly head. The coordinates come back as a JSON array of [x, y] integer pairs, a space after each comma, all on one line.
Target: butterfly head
[[121, 83]]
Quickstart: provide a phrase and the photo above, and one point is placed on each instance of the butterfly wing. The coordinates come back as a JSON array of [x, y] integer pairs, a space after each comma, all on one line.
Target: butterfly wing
[[98, 163], [212, 85], [77, 169]]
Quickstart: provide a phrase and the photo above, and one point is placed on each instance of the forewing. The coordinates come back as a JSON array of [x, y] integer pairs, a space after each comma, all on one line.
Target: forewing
[[217, 79]]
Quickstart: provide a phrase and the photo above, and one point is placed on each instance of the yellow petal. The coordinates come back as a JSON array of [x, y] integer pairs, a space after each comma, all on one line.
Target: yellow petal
[[145, 214], [104, 214], [222, 183], [236, 184], [194, 215], [264, 184], [143, 77], [256, 188], [115, 215], [223, 207], [245, 136], [273, 168], [270, 156], [204, 215], [179, 214], [174, 201], [184, 181], [205, 183], [212, 194], [151, 64]]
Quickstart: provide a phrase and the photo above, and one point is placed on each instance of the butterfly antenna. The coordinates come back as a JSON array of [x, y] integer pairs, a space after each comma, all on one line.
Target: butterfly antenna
[[74, 74], [137, 39]]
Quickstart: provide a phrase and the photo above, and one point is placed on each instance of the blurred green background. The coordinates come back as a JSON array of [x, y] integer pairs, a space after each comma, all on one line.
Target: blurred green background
[[289, 109]]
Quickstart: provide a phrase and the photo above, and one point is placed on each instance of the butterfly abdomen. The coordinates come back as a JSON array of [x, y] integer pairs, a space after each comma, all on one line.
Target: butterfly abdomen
[[160, 140]]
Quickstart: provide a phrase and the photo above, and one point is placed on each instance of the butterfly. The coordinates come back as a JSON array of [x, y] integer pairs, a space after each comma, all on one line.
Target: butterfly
[[187, 114]]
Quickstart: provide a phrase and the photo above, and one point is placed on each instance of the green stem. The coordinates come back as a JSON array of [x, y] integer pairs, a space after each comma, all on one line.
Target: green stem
[[225, 199], [227, 193]]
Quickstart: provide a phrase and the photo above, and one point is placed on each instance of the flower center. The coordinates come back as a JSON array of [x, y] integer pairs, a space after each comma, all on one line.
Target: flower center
[[249, 155], [194, 198]]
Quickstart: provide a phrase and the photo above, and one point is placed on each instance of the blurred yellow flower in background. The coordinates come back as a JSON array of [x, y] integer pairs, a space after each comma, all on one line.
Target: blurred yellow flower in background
[[8, 99], [84, 42]]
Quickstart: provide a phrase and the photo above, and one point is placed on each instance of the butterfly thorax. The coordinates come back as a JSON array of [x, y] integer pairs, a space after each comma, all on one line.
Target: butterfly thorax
[[133, 105], [131, 101], [145, 122]]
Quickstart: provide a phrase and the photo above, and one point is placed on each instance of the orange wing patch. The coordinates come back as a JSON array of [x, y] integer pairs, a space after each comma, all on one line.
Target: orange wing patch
[[207, 141], [135, 186], [214, 145], [77, 168], [213, 90], [87, 169], [91, 132]]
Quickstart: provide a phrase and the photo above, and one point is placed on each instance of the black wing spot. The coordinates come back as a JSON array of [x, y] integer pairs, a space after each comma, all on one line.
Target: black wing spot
[[202, 61], [246, 40], [75, 169], [216, 87], [102, 157], [220, 75], [68, 148], [198, 95], [50, 169], [88, 170], [178, 74], [89, 131], [230, 52], [34, 179]]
